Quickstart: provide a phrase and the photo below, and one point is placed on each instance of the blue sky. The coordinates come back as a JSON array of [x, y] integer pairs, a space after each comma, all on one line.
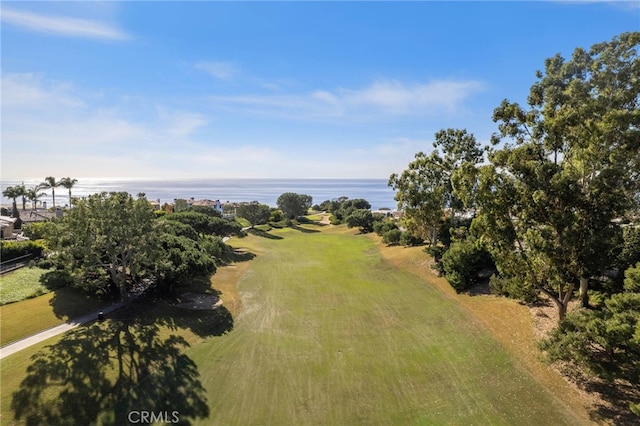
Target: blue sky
[[268, 89]]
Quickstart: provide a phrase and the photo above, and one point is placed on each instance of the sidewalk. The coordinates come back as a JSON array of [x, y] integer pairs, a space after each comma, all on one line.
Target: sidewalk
[[19, 345]]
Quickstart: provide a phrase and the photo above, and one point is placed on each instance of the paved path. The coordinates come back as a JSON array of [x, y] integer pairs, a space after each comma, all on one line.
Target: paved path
[[19, 345]]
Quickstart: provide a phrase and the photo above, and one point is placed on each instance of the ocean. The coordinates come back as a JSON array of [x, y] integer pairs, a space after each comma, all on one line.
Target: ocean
[[265, 191]]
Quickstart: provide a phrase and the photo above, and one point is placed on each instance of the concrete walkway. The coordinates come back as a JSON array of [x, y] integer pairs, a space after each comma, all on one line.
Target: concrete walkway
[[21, 344]]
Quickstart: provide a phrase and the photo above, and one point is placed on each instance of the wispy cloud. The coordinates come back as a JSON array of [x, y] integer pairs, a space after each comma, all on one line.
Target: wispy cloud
[[29, 90], [220, 70], [381, 98], [62, 25], [392, 96], [181, 124]]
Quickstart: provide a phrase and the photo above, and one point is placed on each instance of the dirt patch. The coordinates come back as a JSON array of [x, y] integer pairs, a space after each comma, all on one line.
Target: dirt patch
[[199, 301], [325, 220]]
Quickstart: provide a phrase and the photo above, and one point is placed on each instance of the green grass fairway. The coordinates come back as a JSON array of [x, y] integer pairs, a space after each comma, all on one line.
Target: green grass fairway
[[331, 334], [326, 332]]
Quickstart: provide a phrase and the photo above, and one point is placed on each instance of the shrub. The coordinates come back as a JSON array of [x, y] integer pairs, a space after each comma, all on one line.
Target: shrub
[[436, 252], [408, 239], [462, 262], [276, 215], [56, 279], [362, 219], [380, 227], [13, 249], [513, 287], [392, 236], [37, 230]]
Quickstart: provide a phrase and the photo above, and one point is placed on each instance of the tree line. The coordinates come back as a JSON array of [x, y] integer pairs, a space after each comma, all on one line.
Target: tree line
[[35, 193], [552, 206], [112, 244]]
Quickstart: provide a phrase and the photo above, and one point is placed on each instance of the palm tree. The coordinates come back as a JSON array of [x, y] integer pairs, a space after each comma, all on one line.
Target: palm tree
[[22, 192], [12, 192], [33, 194], [50, 182], [68, 183]]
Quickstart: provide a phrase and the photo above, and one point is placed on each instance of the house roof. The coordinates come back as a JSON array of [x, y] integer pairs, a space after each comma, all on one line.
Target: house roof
[[7, 219]]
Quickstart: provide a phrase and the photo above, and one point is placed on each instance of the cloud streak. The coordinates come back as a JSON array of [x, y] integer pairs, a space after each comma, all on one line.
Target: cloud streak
[[219, 70], [379, 99], [62, 26]]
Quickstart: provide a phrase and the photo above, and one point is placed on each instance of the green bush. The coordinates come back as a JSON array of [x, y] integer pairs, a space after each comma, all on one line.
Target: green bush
[[436, 252], [392, 236], [37, 230], [380, 227], [56, 279], [276, 215], [13, 249], [513, 287], [462, 262], [408, 239]]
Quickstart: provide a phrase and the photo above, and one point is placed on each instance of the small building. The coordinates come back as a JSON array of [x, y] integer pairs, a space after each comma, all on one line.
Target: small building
[[216, 205], [7, 225]]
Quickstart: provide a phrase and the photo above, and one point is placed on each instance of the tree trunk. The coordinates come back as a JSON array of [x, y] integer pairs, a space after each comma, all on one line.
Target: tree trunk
[[562, 301], [584, 294]]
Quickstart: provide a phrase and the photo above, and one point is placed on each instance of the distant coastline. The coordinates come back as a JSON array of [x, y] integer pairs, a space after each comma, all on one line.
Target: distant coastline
[[264, 191]]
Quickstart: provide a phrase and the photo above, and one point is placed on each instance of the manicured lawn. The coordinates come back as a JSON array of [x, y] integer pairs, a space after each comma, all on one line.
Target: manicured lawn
[[21, 284], [326, 331], [21, 319], [332, 334]]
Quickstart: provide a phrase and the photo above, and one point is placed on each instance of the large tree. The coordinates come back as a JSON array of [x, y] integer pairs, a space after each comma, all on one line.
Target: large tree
[[108, 242], [255, 213], [425, 190], [569, 166], [294, 205]]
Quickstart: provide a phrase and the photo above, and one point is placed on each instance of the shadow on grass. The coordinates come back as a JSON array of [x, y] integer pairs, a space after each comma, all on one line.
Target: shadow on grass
[[305, 230], [106, 371], [69, 302], [263, 234]]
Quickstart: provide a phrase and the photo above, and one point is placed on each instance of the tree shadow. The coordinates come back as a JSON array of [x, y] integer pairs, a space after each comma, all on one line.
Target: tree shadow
[[202, 322], [70, 303], [238, 255], [615, 397], [304, 230], [263, 234], [105, 372]]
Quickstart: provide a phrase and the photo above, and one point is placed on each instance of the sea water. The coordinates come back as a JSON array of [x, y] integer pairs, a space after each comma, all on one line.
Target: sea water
[[266, 191]]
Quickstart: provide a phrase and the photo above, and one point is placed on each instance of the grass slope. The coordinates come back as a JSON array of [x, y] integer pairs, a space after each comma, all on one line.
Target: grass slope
[[330, 333]]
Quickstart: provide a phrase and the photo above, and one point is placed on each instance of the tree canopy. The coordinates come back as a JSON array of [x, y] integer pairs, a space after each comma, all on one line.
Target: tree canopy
[[294, 205], [567, 168], [426, 188], [111, 243], [255, 213]]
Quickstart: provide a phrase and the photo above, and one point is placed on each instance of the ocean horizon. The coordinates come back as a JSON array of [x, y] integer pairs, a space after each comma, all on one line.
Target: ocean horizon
[[266, 191]]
